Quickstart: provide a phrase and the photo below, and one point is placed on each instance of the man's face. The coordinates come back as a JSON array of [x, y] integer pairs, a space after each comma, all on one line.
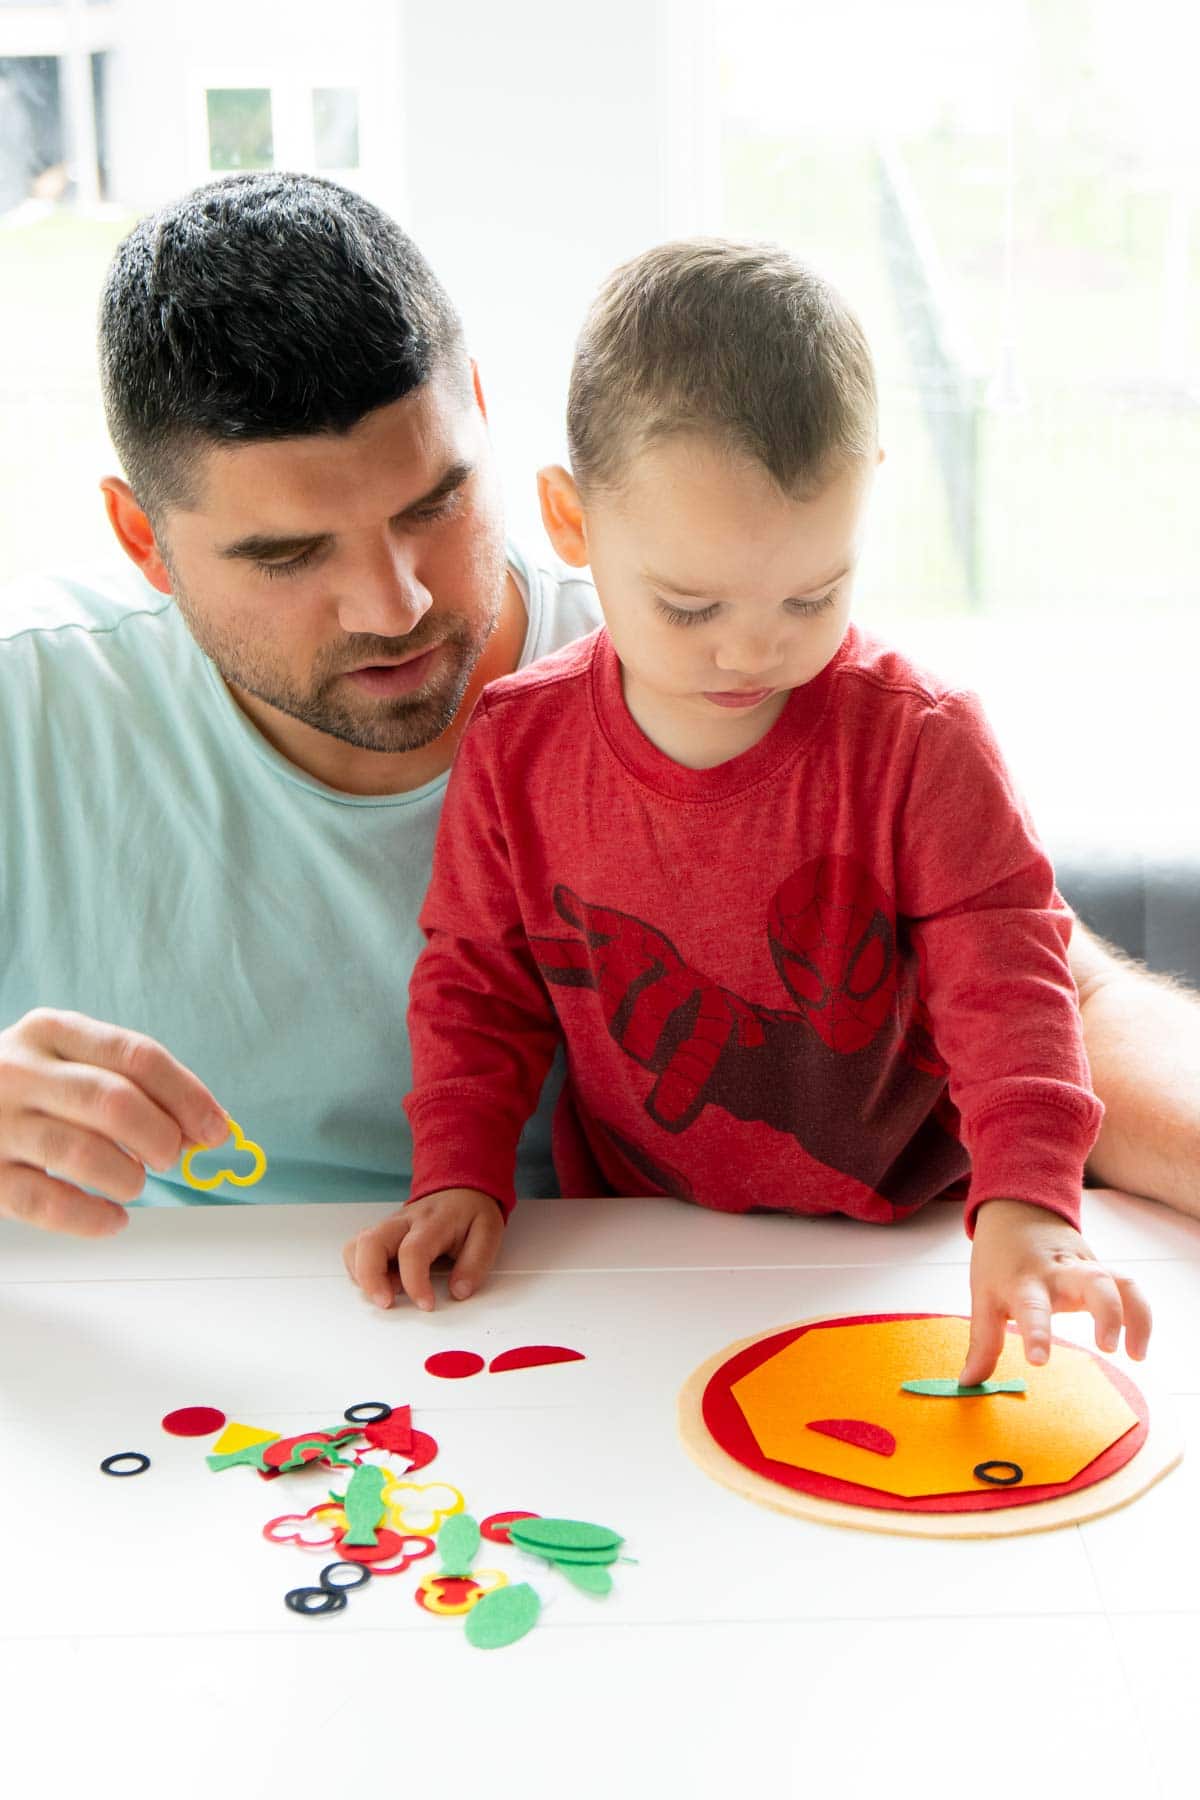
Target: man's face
[[721, 594], [352, 581]]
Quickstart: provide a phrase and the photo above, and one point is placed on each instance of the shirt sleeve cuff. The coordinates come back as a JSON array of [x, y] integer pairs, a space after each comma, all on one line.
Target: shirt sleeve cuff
[[457, 1150], [1035, 1154]]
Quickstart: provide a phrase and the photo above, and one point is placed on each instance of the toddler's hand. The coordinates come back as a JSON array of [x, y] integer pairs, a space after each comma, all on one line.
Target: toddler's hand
[[457, 1222], [1027, 1264]]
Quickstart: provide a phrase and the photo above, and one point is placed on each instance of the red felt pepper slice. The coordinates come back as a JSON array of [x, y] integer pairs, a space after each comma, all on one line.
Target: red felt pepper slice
[[533, 1356]]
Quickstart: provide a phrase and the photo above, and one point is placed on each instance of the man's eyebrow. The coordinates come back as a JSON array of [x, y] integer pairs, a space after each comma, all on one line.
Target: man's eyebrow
[[261, 546], [702, 592]]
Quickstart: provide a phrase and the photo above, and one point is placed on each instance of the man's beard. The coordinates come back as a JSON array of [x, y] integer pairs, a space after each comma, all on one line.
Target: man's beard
[[406, 722]]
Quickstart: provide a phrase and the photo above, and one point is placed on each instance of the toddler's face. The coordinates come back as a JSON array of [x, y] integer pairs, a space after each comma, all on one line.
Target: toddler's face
[[720, 593]]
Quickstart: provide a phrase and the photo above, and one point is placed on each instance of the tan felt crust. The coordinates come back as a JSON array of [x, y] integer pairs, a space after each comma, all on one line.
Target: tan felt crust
[[1159, 1454]]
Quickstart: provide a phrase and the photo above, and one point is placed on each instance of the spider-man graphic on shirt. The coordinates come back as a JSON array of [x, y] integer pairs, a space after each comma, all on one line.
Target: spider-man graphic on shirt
[[857, 1041]]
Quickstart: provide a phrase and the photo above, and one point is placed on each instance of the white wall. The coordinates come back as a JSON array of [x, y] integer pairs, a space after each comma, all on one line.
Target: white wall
[[527, 149], [540, 153]]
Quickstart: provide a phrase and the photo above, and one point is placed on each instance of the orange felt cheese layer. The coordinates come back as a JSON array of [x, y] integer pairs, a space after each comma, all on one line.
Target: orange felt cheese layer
[[1075, 1409]]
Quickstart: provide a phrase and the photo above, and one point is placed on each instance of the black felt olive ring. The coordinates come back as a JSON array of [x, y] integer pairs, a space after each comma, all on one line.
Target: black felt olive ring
[[980, 1471], [324, 1600], [360, 1572], [133, 1456], [368, 1412]]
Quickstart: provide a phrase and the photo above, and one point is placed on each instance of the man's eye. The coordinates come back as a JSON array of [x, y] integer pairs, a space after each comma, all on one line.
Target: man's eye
[[272, 570], [678, 615], [440, 509]]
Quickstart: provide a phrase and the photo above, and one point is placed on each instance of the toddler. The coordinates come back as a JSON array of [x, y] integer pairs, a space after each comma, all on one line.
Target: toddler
[[765, 880]]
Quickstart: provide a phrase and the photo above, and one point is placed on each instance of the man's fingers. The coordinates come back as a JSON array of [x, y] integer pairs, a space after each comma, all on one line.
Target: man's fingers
[[1139, 1320], [38, 1199], [83, 1157], [176, 1106], [987, 1341], [474, 1260]]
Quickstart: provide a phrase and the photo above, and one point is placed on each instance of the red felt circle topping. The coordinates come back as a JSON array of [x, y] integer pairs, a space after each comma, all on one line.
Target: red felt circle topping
[[387, 1544], [495, 1526], [726, 1422], [422, 1451], [453, 1365], [193, 1421]]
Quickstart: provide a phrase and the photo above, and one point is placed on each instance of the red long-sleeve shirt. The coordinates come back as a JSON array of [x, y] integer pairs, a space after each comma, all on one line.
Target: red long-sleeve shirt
[[829, 975]]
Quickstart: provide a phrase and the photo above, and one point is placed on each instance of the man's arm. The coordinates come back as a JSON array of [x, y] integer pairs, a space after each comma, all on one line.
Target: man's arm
[[1142, 1033]]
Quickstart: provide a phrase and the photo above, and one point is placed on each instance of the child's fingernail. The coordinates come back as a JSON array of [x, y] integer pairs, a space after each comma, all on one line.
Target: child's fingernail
[[216, 1129], [425, 1305], [460, 1289]]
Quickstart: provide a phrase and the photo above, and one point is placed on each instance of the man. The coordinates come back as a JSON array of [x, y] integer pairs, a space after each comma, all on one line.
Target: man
[[221, 781]]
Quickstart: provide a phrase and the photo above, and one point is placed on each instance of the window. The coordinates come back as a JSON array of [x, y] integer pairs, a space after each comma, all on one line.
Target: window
[[240, 132], [1005, 192], [335, 128]]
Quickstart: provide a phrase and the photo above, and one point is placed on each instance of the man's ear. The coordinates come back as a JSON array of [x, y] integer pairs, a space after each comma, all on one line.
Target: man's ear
[[477, 385], [562, 514], [134, 532]]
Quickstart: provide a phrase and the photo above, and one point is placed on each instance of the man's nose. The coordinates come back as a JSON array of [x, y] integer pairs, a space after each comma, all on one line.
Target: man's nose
[[384, 594]]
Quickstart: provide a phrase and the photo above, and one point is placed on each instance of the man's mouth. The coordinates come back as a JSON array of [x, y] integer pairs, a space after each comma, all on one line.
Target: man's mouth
[[394, 676]]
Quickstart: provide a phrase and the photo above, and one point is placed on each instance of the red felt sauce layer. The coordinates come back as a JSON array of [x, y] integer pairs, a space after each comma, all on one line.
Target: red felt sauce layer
[[727, 1425]]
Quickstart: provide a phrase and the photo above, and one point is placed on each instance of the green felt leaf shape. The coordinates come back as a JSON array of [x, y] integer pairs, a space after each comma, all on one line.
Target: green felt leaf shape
[[950, 1390], [589, 1576], [458, 1544], [574, 1538], [503, 1616], [252, 1454], [578, 1558], [364, 1505]]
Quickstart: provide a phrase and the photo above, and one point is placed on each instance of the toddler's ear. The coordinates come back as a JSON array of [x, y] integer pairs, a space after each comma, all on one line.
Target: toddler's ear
[[562, 514]]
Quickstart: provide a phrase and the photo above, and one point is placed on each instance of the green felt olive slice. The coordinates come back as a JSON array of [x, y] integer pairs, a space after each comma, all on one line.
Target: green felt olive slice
[[548, 1537], [589, 1576], [503, 1616], [950, 1390], [458, 1544]]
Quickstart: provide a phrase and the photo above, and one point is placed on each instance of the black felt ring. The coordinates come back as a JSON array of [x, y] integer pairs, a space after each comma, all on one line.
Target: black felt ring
[[368, 1412], [980, 1471], [137, 1456], [344, 1587], [330, 1599]]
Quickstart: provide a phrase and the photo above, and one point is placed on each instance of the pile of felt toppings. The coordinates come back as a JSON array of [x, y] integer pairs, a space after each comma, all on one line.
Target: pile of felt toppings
[[377, 1523]]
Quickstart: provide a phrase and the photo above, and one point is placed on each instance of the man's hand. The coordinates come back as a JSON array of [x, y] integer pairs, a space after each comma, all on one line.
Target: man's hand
[[458, 1222], [88, 1105], [1026, 1265]]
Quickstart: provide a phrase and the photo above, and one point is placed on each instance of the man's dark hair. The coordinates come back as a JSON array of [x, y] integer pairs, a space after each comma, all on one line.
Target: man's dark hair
[[262, 306]]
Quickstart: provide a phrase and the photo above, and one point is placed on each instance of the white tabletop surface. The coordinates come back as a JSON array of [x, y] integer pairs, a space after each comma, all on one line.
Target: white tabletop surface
[[145, 1648]]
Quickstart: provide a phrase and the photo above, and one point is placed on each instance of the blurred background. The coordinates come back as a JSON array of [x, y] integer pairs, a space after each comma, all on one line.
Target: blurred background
[[1008, 191]]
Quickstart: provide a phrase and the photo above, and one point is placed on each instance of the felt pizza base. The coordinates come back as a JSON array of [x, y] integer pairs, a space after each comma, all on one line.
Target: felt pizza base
[[1158, 1454]]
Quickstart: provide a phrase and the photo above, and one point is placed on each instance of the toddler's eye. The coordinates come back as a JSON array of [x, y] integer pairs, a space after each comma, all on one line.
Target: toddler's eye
[[678, 615], [806, 608]]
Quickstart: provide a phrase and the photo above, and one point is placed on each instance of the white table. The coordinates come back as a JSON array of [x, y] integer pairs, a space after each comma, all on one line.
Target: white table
[[145, 1648]]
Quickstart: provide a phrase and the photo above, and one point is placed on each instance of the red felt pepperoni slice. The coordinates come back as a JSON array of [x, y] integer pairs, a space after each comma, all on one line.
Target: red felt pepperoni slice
[[533, 1356], [454, 1365], [393, 1433], [495, 1526], [193, 1421]]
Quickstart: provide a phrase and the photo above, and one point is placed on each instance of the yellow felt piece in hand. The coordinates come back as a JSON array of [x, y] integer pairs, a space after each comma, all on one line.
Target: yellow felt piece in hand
[[204, 1184], [1069, 1413]]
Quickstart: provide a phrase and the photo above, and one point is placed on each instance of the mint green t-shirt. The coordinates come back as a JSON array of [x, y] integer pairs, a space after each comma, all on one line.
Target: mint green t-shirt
[[164, 869]]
